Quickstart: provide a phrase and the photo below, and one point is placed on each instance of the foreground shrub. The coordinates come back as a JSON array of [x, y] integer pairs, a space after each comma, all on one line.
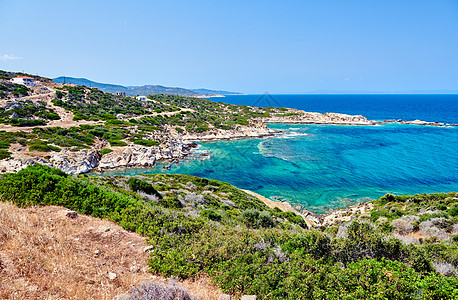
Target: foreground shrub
[[363, 242], [402, 226], [136, 184], [254, 218]]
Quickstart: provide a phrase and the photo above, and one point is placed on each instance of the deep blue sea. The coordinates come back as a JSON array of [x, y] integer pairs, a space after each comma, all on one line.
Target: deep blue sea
[[327, 166]]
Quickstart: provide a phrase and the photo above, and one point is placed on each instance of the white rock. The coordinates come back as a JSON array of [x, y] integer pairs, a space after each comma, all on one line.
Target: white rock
[[148, 249], [112, 276]]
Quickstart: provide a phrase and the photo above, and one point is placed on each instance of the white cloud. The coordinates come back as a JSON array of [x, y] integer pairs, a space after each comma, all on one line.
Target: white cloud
[[10, 57], [347, 79]]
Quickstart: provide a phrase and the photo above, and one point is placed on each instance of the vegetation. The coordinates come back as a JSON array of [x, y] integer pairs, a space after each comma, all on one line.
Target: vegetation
[[26, 113], [13, 89], [105, 151], [246, 247]]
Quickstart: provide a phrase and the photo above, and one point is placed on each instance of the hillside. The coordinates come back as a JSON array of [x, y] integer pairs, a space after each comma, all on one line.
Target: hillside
[[198, 226], [143, 90], [78, 129], [45, 254]]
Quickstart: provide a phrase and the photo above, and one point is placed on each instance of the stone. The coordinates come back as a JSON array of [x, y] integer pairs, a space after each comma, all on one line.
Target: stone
[[148, 249], [134, 269], [121, 297], [97, 252], [248, 297], [224, 297], [112, 276], [71, 214]]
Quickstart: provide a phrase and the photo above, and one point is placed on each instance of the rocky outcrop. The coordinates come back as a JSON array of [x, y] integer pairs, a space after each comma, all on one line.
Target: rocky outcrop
[[77, 162], [17, 164], [141, 156], [302, 117], [256, 128], [346, 214]]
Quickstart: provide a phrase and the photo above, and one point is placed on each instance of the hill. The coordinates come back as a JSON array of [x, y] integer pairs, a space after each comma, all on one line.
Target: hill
[[142, 90], [199, 226]]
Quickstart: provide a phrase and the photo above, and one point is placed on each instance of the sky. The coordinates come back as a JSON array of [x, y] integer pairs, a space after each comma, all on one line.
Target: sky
[[289, 47]]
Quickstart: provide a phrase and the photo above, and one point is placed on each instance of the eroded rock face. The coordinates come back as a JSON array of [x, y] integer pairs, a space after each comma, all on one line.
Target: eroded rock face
[[17, 164], [83, 161], [142, 156], [77, 162]]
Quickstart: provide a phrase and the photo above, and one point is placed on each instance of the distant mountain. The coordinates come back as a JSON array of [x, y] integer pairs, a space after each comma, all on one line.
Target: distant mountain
[[142, 90], [206, 91]]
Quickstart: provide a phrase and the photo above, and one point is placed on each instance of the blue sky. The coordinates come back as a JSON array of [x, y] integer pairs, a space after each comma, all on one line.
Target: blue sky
[[248, 46]]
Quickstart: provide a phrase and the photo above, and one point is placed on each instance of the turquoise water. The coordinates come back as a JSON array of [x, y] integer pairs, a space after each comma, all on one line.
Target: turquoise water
[[326, 166]]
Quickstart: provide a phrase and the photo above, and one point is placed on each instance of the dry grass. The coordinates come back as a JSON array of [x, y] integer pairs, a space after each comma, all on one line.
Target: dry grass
[[47, 255]]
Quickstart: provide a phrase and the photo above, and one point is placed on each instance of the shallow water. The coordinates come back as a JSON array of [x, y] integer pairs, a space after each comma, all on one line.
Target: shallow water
[[327, 166]]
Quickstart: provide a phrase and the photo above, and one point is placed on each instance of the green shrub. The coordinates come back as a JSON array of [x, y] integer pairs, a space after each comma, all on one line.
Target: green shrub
[[148, 143], [4, 154], [211, 214], [136, 184], [105, 151], [26, 122], [42, 146], [254, 218], [4, 145], [453, 211], [170, 202], [118, 143]]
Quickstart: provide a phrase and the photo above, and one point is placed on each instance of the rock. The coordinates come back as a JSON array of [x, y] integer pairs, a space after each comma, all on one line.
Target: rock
[[112, 276], [248, 297], [97, 252], [148, 249], [224, 297], [77, 162], [134, 269], [71, 214], [121, 297], [104, 229]]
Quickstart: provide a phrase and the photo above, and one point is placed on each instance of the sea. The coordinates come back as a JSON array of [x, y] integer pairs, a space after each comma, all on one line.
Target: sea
[[325, 167]]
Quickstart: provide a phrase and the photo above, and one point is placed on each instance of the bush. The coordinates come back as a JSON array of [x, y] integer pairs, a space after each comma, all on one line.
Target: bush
[[26, 122], [136, 184], [42, 146], [402, 226], [211, 214], [254, 218], [453, 211], [148, 143], [4, 154], [118, 143], [105, 151], [171, 202]]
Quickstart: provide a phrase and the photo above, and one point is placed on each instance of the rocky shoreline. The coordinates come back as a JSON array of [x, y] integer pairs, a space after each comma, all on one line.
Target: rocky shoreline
[[176, 146]]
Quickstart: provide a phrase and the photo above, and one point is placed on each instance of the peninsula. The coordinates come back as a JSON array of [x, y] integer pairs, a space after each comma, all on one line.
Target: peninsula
[[79, 129]]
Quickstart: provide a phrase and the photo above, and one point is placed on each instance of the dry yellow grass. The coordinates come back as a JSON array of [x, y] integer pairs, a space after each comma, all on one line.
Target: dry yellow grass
[[47, 255]]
